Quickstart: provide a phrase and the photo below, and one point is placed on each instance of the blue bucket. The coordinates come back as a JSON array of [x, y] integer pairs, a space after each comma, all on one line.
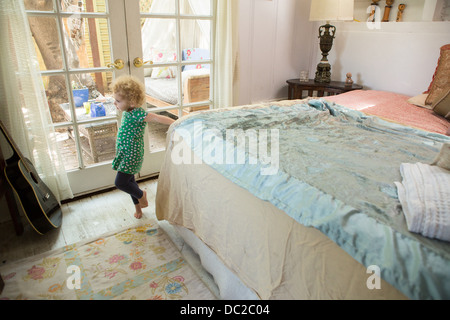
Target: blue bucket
[[80, 96]]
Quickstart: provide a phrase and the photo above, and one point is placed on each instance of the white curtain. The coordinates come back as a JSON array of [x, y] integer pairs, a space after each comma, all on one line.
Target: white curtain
[[201, 7], [226, 53], [159, 35], [23, 105]]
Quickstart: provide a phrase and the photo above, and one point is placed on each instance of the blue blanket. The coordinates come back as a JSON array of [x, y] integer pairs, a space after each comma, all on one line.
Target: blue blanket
[[334, 169]]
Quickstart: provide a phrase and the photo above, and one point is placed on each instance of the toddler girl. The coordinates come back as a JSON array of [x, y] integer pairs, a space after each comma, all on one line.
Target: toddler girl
[[129, 95]]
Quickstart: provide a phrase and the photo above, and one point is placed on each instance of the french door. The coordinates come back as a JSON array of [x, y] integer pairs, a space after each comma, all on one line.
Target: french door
[[83, 45]]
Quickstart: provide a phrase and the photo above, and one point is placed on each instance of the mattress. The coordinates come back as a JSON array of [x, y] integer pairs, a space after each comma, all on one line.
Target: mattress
[[164, 89], [316, 229]]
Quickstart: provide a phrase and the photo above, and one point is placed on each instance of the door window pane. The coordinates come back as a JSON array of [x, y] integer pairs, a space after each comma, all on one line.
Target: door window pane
[[159, 46], [195, 7], [158, 132], [196, 34], [83, 5], [196, 86], [38, 5], [57, 97], [46, 41], [67, 147], [157, 6], [159, 40], [161, 91], [98, 141], [196, 60], [87, 42], [92, 87]]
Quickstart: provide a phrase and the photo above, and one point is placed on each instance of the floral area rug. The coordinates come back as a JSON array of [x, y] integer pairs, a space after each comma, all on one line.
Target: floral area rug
[[138, 263]]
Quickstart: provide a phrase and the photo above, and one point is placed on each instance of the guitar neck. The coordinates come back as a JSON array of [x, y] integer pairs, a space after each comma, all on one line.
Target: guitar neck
[[16, 152]]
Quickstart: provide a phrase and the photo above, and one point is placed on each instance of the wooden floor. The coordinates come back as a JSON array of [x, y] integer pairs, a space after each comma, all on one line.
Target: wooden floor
[[89, 218]]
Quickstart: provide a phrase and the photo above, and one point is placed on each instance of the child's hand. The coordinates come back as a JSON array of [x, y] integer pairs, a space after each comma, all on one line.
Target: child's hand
[[153, 117]]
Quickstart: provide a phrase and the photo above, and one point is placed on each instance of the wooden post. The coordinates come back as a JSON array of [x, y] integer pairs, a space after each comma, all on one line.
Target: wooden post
[[401, 8], [387, 10]]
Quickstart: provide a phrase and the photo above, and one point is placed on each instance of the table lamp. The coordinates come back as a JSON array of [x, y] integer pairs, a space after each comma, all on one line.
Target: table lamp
[[328, 10]]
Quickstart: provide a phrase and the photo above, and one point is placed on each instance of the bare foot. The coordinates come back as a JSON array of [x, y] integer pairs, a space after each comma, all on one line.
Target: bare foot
[[143, 201], [138, 213]]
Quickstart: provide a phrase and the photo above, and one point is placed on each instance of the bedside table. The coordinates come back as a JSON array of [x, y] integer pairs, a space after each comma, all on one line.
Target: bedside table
[[296, 88]]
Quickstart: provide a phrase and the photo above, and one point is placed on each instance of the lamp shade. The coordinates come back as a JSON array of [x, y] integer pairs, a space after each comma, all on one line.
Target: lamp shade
[[331, 10]]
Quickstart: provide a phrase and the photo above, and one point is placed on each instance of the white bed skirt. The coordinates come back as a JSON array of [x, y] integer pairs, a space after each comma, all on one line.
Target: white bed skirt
[[230, 286]]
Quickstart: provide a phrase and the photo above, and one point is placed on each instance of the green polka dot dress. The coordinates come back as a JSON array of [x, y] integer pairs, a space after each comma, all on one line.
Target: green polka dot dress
[[130, 142]]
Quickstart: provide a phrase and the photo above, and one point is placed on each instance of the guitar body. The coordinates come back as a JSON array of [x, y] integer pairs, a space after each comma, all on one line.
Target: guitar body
[[36, 199]]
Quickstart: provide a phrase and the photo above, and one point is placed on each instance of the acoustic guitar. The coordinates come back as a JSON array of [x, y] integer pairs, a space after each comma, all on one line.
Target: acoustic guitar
[[39, 204]]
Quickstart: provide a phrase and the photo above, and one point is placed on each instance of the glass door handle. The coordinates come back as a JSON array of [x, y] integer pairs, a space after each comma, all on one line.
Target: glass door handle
[[118, 64], [139, 62]]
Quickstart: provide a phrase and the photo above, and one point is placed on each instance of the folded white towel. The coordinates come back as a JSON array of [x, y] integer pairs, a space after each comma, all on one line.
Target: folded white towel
[[425, 198], [443, 158]]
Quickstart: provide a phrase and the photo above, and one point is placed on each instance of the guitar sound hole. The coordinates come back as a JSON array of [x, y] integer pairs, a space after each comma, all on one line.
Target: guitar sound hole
[[34, 177]]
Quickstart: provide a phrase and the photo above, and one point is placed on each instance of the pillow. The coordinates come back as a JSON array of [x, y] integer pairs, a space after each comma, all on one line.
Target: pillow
[[441, 77], [434, 74], [164, 57], [442, 104], [419, 100], [195, 54], [163, 72]]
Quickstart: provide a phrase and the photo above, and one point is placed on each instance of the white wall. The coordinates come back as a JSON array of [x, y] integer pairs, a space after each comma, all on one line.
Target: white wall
[[274, 40], [398, 57], [277, 41]]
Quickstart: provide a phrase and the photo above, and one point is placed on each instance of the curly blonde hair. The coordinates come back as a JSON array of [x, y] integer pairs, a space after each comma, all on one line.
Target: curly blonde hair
[[131, 89]]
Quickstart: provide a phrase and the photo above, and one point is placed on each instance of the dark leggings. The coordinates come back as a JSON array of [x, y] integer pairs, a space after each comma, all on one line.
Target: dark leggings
[[128, 184]]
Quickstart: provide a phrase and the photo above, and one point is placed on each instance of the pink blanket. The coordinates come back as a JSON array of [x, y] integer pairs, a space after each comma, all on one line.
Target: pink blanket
[[393, 107]]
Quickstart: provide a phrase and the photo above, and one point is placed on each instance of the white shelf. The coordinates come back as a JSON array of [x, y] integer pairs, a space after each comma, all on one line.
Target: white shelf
[[416, 10]]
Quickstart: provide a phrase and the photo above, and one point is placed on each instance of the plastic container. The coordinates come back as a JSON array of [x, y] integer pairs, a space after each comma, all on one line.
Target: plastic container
[[97, 110], [80, 96]]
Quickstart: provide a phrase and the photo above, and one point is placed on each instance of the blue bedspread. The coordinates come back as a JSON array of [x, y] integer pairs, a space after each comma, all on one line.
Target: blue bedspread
[[334, 169]]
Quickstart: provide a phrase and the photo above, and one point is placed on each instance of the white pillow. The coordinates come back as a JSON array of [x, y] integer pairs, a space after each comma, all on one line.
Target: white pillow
[[164, 57], [419, 100]]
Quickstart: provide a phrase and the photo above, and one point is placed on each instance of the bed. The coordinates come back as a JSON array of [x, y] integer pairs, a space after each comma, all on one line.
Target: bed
[[256, 225], [324, 207]]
